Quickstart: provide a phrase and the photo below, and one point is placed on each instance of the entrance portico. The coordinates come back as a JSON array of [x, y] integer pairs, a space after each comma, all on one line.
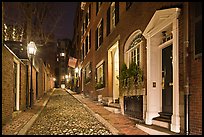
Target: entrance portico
[[163, 21]]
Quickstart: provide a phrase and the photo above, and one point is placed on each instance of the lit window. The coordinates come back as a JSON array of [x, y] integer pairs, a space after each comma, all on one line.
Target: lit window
[[99, 35], [133, 49], [100, 77], [88, 73]]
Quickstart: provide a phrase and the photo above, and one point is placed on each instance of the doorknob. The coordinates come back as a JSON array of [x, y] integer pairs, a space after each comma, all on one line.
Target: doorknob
[[171, 84]]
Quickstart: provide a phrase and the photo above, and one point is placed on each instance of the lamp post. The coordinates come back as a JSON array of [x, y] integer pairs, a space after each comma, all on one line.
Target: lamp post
[[31, 50]]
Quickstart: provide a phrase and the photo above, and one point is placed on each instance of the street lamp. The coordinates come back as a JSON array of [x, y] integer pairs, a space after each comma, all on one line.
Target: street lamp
[[31, 50]]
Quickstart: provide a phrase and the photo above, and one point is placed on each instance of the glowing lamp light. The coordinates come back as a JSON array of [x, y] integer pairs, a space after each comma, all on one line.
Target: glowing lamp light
[[31, 48]]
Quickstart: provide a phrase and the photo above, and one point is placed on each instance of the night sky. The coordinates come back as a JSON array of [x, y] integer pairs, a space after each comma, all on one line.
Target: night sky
[[64, 27]]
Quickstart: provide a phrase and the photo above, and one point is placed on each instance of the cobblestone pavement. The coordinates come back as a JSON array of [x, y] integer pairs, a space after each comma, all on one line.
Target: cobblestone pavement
[[64, 115]]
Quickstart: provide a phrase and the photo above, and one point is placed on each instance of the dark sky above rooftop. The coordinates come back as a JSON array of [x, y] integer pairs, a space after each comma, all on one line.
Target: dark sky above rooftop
[[64, 28]]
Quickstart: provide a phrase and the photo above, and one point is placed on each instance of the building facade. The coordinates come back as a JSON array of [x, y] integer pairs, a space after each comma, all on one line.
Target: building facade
[[164, 40], [16, 76]]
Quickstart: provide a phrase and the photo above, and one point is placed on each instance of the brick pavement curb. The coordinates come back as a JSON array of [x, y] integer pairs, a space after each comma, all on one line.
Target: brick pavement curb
[[112, 129], [28, 125]]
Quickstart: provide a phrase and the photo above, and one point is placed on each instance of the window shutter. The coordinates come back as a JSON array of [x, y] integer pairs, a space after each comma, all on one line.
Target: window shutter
[[116, 12], [90, 39], [97, 8], [96, 39], [108, 21]]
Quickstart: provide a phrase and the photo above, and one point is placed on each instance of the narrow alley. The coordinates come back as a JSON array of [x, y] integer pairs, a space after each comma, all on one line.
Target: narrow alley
[[64, 115]]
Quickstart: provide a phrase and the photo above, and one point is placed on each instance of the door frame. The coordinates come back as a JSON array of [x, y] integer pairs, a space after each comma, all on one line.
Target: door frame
[[18, 84], [113, 49]]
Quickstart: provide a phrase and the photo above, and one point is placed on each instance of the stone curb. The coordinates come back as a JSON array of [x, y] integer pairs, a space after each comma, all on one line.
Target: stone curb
[[112, 129], [26, 127]]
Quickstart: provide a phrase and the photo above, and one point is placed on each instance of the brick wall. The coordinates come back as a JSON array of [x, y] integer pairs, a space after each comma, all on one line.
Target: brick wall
[[7, 85]]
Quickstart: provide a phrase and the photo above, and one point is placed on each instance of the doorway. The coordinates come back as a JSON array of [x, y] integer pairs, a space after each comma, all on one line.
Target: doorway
[[167, 80], [16, 86], [113, 60]]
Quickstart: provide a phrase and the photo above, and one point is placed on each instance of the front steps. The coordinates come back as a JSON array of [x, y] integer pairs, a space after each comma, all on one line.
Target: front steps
[[160, 125], [164, 120]]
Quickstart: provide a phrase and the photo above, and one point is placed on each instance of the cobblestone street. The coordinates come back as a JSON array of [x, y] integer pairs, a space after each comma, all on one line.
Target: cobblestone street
[[64, 115]]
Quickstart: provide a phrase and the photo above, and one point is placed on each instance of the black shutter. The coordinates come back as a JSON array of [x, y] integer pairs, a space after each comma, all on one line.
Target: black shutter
[[97, 8], [116, 12], [90, 12], [96, 39], [90, 40], [108, 21]]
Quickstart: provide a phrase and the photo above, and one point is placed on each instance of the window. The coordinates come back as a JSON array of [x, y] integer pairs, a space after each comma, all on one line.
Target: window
[[128, 4], [87, 73], [82, 52], [108, 22], [99, 34], [88, 16], [112, 15], [100, 77], [134, 55], [98, 4], [133, 49], [89, 40], [116, 13], [87, 44]]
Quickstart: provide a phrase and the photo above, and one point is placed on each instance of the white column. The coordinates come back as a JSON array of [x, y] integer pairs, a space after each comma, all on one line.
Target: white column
[[152, 94], [175, 119]]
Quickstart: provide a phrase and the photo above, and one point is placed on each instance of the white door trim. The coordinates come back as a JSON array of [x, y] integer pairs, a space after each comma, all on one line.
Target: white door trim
[[18, 84], [162, 20]]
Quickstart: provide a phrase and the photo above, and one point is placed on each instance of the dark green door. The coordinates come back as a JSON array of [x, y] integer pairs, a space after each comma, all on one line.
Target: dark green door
[[167, 80]]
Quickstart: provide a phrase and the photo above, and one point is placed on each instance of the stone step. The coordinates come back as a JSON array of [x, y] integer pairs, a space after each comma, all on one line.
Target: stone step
[[113, 109], [155, 130], [161, 123]]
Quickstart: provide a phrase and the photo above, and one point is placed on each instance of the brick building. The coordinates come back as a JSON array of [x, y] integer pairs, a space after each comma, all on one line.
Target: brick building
[[164, 39], [16, 83]]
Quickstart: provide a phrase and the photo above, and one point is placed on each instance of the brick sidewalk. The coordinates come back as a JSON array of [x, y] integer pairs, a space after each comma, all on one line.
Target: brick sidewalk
[[18, 122], [122, 123]]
